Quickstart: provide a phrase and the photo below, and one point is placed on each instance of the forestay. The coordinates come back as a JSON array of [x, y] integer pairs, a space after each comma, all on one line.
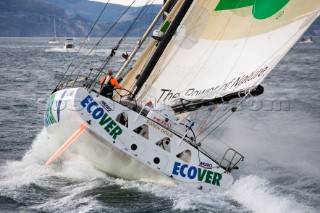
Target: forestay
[[227, 46]]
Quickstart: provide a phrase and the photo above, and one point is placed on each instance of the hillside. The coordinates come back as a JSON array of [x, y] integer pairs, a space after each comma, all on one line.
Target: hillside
[[74, 18], [90, 10], [33, 18], [26, 17]]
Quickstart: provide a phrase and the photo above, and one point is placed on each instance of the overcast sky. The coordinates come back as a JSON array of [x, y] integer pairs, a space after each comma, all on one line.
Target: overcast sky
[[138, 3]]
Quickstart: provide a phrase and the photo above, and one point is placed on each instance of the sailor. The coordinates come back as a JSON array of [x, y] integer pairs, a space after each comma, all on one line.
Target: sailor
[[107, 88]]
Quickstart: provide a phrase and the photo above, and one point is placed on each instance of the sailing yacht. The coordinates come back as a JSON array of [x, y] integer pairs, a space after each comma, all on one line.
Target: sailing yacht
[[209, 53], [54, 40]]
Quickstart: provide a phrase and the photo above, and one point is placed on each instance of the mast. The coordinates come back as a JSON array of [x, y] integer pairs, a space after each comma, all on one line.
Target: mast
[[144, 37], [162, 46], [54, 27], [164, 15], [172, 3]]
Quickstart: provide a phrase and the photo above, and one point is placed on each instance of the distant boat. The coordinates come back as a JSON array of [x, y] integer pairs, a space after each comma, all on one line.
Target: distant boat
[[86, 40], [69, 43], [54, 40], [309, 40]]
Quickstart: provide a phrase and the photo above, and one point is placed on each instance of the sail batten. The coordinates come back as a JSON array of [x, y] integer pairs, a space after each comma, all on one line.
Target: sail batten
[[223, 48]]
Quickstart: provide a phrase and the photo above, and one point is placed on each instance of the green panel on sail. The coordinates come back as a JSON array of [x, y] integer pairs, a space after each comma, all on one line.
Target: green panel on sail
[[233, 4], [261, 9]]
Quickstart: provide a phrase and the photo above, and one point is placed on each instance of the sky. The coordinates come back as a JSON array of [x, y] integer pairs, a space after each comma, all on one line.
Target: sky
[[138, 3]]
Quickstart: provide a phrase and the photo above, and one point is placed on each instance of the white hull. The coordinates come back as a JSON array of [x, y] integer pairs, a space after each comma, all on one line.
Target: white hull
[[68, 47], [102, 156], [121, 152], [68, 44], [306, 42]]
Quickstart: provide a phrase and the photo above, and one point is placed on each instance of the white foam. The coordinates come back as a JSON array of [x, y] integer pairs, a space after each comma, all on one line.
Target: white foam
[[260, 196], [17, 175], [31, 168], [71, 198], [253, 193], [83, 51]]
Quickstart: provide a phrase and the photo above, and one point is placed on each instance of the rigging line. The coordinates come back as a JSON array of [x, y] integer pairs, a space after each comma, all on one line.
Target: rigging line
[[94, 63], [242, 49], [147, 58], [154, 76], [221, 33], [105, 6], [109, 57], [193, 19], [216, 127], [125, 69], [112, 26], [199, 155], [204, 120], [216, 111], [173, 53], [212, 112], [215, 44], [200, 57], [120, 41], [212, 150], [310, 20], [215, 114], [237, 60], [263, 76], [195, 115], [223, 114], [232, 112], [143, 10]]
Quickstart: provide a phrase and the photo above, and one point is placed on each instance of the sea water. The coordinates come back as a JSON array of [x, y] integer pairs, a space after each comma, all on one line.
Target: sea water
[[278, 133]]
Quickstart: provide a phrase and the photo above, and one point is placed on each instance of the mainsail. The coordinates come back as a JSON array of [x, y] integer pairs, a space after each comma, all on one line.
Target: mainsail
[[225, 47]]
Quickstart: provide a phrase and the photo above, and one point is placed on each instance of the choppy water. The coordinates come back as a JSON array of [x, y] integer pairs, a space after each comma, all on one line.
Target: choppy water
[[281, 172]]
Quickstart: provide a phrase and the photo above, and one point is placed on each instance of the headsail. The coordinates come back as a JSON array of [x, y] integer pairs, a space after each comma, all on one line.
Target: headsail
[[225, 47], [130, 79]]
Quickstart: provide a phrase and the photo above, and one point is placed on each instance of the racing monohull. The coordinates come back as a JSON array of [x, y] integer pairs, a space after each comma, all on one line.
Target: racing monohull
[[205, 53]]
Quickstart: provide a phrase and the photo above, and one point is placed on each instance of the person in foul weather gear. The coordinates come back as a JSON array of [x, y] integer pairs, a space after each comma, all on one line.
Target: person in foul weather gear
[[107, 88]]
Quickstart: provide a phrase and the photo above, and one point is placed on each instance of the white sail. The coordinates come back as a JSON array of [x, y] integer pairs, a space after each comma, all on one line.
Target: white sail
[[222, 47], [227, 46], [130, 79]]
